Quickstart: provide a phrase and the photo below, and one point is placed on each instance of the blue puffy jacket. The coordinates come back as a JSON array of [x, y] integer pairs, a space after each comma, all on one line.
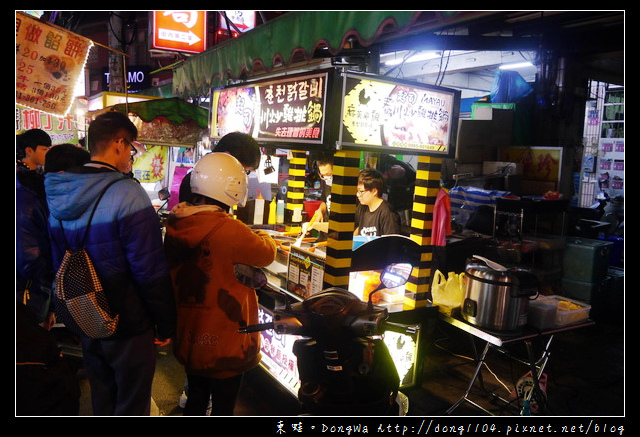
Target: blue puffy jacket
[[124, 242]]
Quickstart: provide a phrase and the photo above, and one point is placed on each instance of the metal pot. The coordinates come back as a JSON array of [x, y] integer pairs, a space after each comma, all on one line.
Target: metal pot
[[496, 298]]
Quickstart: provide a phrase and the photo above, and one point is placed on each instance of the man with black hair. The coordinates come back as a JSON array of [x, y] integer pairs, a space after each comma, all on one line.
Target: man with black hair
[[31, 148], [324, 164], [124, 242], [34, 272]]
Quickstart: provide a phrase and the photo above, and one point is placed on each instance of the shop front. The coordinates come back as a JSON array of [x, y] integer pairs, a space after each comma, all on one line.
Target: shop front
[[352, 117]]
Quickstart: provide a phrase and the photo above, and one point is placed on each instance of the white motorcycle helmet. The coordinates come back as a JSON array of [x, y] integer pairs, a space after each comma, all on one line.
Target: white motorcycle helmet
[[221, 177]]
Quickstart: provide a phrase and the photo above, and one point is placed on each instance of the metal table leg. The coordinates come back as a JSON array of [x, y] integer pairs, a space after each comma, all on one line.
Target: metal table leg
[[537, 368], [476, 372]]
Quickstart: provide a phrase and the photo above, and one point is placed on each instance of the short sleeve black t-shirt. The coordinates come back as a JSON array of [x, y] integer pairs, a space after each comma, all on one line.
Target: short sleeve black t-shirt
[[382, 221]]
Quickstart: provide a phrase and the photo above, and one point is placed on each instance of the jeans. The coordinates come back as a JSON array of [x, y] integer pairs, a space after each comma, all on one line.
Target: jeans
[[120, 374]]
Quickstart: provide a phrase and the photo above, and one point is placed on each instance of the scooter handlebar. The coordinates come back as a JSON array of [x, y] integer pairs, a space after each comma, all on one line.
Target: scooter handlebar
[[256, 328]]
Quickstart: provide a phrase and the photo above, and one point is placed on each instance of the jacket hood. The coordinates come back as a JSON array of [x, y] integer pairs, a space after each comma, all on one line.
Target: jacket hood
[[192, 223], [83, 188]]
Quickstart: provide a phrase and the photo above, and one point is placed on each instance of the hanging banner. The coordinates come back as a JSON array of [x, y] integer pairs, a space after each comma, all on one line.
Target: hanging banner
[[49, 62], [60, 129], [387, 114], [152, 165]]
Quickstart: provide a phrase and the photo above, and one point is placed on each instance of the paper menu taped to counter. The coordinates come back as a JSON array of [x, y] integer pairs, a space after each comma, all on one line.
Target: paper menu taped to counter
[[305, 273]]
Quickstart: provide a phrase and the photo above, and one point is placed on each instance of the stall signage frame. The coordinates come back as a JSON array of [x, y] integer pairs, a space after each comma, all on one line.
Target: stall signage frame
[[289, 110], [399, 116]]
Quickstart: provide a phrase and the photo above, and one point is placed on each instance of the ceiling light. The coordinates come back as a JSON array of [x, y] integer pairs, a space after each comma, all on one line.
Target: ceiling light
[[422, 56], [516, 65]]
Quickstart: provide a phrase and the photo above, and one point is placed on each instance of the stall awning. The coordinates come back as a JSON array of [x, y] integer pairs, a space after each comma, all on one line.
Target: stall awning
[[175, 110], [288, 37], [165, 122]]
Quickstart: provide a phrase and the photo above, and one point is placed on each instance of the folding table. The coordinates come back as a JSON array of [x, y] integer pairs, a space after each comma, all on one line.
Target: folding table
[[496, 340]]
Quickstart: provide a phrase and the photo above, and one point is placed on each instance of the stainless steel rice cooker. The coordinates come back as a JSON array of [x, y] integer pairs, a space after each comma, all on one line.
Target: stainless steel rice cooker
[[496, 298]]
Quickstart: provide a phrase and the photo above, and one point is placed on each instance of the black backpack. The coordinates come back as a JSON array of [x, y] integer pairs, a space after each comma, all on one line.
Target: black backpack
[[81, 303]]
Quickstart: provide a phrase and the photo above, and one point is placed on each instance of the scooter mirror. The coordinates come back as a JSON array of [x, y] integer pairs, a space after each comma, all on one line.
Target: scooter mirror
[[392, 276], [250, 276], [395, 275], [164, 194]]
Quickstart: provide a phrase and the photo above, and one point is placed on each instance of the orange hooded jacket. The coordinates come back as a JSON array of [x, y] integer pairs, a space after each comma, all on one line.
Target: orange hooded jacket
[[202, 244]]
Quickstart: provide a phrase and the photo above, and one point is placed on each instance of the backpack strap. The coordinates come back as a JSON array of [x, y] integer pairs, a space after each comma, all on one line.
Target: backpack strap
[[95, 206]]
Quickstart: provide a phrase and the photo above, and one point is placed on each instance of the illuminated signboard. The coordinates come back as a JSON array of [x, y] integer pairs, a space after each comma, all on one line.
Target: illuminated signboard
[[182, 31], [410, 117], [49, 63], [288, 110], [282, 364], [242, 20], [277, 354]]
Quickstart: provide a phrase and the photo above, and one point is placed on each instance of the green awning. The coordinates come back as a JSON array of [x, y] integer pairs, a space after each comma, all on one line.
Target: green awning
[[294, 34], [176, 110]]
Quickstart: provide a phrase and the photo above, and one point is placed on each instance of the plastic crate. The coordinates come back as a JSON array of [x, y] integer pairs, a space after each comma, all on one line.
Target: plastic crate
[[570, 316], [586, 260], [541, 312]]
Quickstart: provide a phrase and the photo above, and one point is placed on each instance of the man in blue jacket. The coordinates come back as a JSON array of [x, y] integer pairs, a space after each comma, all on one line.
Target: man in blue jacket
[[125, 245]]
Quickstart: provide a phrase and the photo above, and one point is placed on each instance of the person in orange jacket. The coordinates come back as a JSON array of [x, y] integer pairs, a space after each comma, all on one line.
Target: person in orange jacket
[[203, 242]]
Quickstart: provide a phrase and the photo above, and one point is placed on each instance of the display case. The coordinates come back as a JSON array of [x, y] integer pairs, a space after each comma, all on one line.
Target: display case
[[297, 274]]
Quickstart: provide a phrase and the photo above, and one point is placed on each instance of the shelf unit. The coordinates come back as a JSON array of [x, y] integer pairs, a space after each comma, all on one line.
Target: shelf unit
[[610, 165]]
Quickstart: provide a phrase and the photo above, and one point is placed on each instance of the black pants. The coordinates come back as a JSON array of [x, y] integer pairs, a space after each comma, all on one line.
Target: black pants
[[224, 393]]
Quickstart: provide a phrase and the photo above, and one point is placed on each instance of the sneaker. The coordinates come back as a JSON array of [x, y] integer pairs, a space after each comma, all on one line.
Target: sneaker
[[183, 400]]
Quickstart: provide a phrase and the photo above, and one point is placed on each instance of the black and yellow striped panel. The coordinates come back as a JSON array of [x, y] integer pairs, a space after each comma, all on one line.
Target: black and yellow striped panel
[[425, 193], [295, 188], [346, 167]]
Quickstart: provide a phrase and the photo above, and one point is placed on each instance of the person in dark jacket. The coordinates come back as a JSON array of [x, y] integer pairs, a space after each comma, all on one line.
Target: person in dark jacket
[[241, 146], [34, 272], [125, 245], [46, 382]]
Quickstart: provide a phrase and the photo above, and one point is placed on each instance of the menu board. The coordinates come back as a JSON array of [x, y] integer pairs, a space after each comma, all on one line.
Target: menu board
[[305, 272], [49, 62], [398, 116], [285, 110]]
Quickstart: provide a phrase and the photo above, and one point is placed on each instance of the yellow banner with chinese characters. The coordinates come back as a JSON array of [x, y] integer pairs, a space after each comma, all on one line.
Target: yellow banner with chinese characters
[[49, 62], [151, 166]]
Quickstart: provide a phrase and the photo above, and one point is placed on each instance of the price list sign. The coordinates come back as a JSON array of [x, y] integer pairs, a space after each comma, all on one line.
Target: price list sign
[[49, 61]]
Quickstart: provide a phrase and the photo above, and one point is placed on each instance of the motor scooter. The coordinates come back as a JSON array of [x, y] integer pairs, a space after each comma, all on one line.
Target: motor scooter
[[344, 365], [604, 217]]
